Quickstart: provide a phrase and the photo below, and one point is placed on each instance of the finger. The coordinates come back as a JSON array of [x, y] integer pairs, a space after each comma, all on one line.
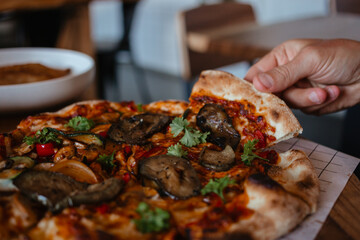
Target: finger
[[284, 76], [348, 97], [280, 55], [264, 64], [304, 97], [333, 93]]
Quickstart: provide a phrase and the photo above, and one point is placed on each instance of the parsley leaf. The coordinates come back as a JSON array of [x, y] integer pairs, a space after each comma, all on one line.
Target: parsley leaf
[[176, 150], [80, 123], [151, 220], [178, 125], [192, 137], [217, 186], [106, 161], [139, 107], [42, 137], [248, 154]]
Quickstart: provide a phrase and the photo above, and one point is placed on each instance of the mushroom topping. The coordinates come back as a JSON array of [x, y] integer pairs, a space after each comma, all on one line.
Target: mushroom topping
[[136, 129], [213, 118], [218, 161], [47, 187], [58, 191], [173, 176], [94, 194]]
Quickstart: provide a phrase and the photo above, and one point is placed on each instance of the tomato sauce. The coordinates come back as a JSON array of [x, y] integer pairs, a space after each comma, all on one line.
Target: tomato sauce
[[256, 127]]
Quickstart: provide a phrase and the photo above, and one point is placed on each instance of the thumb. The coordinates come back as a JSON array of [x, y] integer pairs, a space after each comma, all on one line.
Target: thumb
[[284, 76]]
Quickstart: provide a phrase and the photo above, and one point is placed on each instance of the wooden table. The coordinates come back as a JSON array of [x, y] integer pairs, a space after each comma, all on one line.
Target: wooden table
[[342, 223], [256, 41]]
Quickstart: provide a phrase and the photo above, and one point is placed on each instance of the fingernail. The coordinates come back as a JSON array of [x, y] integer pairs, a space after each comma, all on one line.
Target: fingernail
[[266, 80], [314, 98], [331, 92]]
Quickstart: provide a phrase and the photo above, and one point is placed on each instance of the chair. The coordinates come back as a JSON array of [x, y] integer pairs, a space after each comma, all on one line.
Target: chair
[[346, 6], [215, 19]]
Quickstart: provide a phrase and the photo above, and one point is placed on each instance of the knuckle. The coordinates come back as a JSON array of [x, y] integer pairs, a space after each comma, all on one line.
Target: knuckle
[[312, 53], [284, 74]]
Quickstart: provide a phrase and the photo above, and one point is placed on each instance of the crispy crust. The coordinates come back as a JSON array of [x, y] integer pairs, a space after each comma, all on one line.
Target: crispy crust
[[296, 175], [89, 103], [227, 86], [173, 107], [277, 211], [281, 199]]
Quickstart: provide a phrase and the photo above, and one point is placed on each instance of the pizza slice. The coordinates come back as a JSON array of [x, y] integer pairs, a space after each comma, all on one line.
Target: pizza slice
[[254, 114]]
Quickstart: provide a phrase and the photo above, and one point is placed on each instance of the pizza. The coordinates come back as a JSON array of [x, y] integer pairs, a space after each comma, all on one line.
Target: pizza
[[202, 169]]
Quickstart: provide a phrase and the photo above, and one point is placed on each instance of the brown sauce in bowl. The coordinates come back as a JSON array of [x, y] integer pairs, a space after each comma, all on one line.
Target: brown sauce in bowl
[[28, 73]]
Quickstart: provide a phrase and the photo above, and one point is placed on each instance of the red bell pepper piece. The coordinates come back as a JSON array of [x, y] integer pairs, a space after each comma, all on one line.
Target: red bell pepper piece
[[44, 150], [126, 177], [103, 134], [103, 208]]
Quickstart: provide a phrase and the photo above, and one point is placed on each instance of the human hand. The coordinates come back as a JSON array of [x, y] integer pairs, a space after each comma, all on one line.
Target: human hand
[[316, 76]]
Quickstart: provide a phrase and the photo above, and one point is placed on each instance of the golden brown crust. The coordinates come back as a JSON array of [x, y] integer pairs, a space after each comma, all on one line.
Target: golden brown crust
[[227, 86], [277, 211], [89, 103], [297, 175], [173, 107]]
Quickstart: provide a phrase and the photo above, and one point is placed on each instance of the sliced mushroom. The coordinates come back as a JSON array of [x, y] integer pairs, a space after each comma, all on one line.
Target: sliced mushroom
[[137, 129], [94, 194], [218, 160], [173, 176], [58, 191], [47, 187], [213, 118]]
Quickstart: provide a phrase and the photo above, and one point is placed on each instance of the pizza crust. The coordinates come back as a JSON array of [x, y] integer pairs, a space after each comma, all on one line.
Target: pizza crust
[[227, 86], [89, 103], [296, 175], [280, 199], [173, 107], [277, 211]]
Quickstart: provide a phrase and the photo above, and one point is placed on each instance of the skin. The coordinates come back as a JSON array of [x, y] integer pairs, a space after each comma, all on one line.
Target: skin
[[316, 76]]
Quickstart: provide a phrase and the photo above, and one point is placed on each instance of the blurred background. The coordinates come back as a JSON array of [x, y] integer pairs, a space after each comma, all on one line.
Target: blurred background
[[141, 47]]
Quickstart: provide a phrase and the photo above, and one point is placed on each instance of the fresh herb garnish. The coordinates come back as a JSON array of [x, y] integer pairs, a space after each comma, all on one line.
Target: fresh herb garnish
[[106, 161], [151, 220], [177, 150], [217, 186], [139, 107], [80, 123], [248, 154], [42, 137], [192, 137]]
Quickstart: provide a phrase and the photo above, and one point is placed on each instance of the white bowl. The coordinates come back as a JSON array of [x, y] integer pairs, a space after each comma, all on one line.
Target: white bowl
[[37, 95]]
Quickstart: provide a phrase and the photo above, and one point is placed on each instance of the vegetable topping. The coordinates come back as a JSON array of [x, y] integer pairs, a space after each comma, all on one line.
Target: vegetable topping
[[213, 118], [218, 161], [171, 175], [248, 154], [192, 137], [217, 186], [137, 129], [177, 150], [42, 137], [80, 123], [155, 220]]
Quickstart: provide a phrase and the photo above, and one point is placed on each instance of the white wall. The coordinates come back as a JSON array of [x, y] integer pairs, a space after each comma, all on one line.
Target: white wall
[[154, 38]]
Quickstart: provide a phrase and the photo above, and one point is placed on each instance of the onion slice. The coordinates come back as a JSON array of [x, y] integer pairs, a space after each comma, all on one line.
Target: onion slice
[[75, 169]]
